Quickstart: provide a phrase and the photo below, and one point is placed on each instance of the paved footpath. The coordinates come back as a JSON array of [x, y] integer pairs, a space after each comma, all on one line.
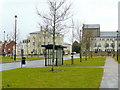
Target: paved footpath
[[110, 76], [35, 63]]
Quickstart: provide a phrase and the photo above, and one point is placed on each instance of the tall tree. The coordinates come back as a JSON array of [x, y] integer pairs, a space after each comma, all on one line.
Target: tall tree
[[59, 12], [76, 47], [78, 37]]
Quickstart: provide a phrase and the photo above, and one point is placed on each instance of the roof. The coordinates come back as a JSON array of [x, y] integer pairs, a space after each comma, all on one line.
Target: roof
[[35, 32], [38, 32], [91, 26], [65, 43], [108, 34]]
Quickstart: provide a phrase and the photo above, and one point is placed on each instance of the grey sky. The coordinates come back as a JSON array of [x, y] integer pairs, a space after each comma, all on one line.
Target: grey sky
[[103, 12]]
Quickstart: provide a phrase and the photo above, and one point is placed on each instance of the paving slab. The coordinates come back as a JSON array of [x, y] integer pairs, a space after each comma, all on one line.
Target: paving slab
[[110, 76]]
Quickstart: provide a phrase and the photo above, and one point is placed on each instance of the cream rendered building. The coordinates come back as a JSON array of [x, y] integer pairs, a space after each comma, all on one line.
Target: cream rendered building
[[100, 42], [32, 45], [68, 49], [107, 42]]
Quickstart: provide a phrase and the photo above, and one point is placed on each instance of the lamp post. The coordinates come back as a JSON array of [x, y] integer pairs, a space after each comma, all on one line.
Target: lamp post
[[4, 44], [117, 45], [15, 37], [4, 36], [80, 47], [113, 46], [27, 47], [34, 44]]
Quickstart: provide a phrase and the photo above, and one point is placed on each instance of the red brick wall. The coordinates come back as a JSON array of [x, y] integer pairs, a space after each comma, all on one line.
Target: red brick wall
[[9, 47]]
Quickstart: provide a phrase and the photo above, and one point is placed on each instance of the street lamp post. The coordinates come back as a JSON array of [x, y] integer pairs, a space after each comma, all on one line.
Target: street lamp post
[[80, 47], [27, 46], [113, 46], [4, 44], [117, 45], [34, 44], [15, 36]]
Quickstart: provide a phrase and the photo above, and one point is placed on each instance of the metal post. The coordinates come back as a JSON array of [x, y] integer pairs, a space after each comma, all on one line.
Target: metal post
[[86, 54], [21, 56], [56, 57], [15, 37], [7, 37], [117, 45], [45, 55], [80, 47], [4, 45], [62, 56], [49, 58], [27, 47], [72, 58]]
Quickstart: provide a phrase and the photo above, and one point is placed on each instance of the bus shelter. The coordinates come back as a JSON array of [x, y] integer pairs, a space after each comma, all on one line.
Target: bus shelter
[[48, 53]]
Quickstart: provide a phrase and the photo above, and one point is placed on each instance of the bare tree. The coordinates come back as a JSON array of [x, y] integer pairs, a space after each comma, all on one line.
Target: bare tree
[[11, 35], [72, 39], [78, 37], [59, 12], [86, 42]]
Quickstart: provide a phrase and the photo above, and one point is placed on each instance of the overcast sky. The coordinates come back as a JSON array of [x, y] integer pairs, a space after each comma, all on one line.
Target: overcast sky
[[103, 12]]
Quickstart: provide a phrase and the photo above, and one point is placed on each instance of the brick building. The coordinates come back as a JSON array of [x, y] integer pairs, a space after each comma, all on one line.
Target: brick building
[[7, 47]]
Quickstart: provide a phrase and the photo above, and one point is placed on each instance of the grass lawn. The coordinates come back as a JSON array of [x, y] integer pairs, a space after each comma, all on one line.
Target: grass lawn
[[34, 58], [37, 78], [116, 59], [9, 59], [30, 55], [89, 62]]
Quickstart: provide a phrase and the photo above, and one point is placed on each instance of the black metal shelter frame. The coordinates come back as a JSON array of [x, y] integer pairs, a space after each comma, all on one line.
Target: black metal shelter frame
[[58, 54]]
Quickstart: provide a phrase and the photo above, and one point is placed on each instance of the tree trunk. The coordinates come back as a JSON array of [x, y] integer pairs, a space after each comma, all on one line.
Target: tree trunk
[[53, 51], [80, 55], [54, 41]]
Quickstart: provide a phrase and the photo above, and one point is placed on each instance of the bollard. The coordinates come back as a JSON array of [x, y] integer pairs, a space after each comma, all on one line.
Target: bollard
[[23, 61], [72, 58]]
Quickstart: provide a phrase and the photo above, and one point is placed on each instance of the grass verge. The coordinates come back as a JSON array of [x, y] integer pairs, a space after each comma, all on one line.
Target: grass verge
[[9, 59], [89, 62], [38, 78], [115, 58]]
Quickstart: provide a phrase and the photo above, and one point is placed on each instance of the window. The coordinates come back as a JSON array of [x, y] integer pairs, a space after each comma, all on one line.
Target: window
[[97, 39], [33, 37], [33, 43], [95, 45], [91, 39], [108, 39], [112, 45], [111, 39], [106, 45], [33, 50], [103, 39], [99, 45], [40, 43]]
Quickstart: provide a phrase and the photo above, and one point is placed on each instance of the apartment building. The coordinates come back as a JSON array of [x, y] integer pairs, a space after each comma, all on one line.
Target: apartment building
[[102, 42], [32, 45]]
